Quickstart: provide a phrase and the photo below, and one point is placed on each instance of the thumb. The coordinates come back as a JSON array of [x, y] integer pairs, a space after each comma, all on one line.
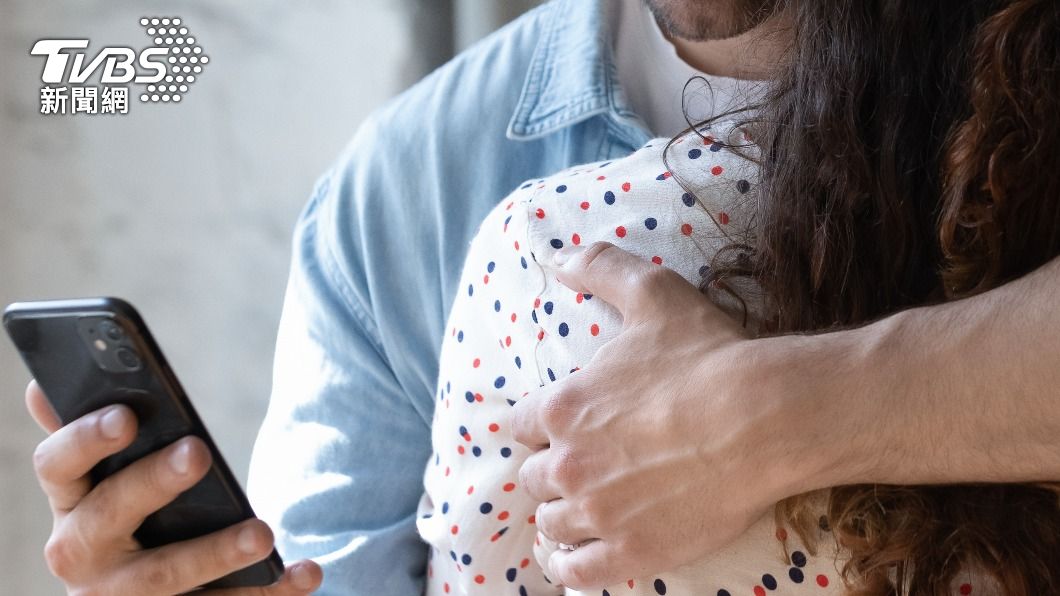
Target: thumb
[[634, 286]]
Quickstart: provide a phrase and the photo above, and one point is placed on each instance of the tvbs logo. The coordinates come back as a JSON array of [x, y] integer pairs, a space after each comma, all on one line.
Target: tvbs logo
[[119, 64], [165, 69]]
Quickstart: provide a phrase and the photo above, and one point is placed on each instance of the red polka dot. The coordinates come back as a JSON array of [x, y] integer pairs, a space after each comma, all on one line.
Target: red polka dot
[[540, 214], [509, 205], [708, 140], [760, 591], [446, 587], [532, 519], [494, 427], [541, 335], [666, 175], [782, 534], [584, 205], [471, 489], [576, 239], [723, 218], [454, 529], [686, 229], [513, 317], [516, 245], [478, 397], [626, 186], [503, 515], [822, 580], [508, 341], [601, 177], [629, 583], [509, 487], [460, 449], [447, 470], [579, 297], [620, 231], [594, 329], [486, 278], [475, 363], [479, 579], [966, 589], [657, 260], [524, 563], [537, 302], [717, 170]]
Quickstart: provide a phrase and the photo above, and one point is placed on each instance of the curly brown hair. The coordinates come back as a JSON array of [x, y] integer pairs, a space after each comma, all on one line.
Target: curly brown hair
[[910, 155]]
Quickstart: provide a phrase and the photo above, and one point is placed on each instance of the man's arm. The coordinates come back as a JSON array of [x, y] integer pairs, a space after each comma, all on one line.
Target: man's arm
[[337, 468], [682, 431]]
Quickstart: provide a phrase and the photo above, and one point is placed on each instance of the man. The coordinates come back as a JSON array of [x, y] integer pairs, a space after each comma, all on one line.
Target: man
[[338, 467]]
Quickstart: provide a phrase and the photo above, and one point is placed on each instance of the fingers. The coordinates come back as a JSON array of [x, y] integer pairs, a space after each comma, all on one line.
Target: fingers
[[118, 505], [63, 459], [537, 479], [588, 566], [182, 566], [528, 420], [298, 579], [38, 407], [627, 282], [561, 522]]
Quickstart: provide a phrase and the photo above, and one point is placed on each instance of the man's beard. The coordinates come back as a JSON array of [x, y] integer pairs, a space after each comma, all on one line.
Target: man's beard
[[705, 20]]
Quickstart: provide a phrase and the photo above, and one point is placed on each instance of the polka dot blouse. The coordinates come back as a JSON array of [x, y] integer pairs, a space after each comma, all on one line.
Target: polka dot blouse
[[513, 328]]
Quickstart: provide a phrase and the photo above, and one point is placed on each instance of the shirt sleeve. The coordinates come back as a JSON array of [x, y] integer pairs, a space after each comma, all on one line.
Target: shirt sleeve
[[337, 468]]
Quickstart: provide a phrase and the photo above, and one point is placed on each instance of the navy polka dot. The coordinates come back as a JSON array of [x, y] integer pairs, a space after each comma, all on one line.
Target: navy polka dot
[[452, 554], [522, 261], [724, 593], [694, 154], [460, 336], [533, 315], [769, 581], [506, 451], [445, 508], [548, 307], [476, 451], [688, 199], [551, 375], [796, 575], [490, 267], [485, 508], [470, 290], [510, 574], [470, 397], [650, 223], [466, 559], [497, 305], [556, 243], [563, 329], [462, 431], [499, 382], [518, 362], [522, 591], [609, 198], [660, 587], [798, 558], [715, 147], [561, 188], [743, 186]]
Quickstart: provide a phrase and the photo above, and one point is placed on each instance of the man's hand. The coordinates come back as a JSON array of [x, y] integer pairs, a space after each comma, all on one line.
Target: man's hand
[[92, 549], [669, 444]]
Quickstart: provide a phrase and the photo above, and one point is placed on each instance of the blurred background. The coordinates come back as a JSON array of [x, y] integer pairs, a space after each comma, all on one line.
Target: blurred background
[[187, 209]]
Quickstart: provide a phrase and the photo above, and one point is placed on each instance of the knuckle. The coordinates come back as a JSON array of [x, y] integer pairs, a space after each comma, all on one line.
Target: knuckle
[[158, 576], [566, 471], [577, 576], [557, 409], [594, 512], [59, 556], [42, 460]]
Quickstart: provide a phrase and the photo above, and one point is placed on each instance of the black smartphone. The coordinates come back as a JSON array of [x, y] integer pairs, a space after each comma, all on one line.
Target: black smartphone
[[93, 352]]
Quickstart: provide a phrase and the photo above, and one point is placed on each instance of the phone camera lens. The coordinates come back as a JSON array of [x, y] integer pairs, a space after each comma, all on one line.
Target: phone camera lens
[[128, 358], [111, 330]]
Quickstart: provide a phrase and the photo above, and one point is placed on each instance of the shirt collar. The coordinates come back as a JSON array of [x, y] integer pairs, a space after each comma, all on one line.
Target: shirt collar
[[572, 74]]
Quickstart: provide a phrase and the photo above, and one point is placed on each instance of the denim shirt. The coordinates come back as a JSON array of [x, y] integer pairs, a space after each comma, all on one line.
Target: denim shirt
[[337, 469]]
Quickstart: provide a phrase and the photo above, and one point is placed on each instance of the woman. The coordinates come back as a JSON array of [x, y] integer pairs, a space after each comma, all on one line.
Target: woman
[[873, 145]]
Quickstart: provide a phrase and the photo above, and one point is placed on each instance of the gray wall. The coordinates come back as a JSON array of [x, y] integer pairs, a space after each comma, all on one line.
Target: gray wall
[[186, 210]]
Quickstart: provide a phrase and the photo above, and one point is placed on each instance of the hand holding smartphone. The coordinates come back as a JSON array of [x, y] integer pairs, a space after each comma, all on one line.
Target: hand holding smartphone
[[91, 354]]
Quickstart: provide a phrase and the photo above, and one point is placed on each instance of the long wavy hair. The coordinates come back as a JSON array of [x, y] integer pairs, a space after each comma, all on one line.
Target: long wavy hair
[[910, 154]]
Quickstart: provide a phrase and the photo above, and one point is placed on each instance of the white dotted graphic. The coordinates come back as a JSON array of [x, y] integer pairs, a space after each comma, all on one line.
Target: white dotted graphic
[[184, 56]]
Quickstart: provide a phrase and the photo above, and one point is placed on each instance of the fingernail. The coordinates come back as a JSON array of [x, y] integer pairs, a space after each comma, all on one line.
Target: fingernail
[[247, 541], [301, 578], [180, 459], [564, 254], [112, 422]]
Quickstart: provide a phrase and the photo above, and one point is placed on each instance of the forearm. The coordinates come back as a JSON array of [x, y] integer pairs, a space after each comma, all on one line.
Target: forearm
[[967, 391]]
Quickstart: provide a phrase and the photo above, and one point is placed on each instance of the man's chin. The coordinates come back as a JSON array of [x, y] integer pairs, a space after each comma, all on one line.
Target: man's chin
[[709, 20]]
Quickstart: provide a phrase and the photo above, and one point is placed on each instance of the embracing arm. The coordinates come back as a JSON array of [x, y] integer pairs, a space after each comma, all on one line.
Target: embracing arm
[[966, 391]]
